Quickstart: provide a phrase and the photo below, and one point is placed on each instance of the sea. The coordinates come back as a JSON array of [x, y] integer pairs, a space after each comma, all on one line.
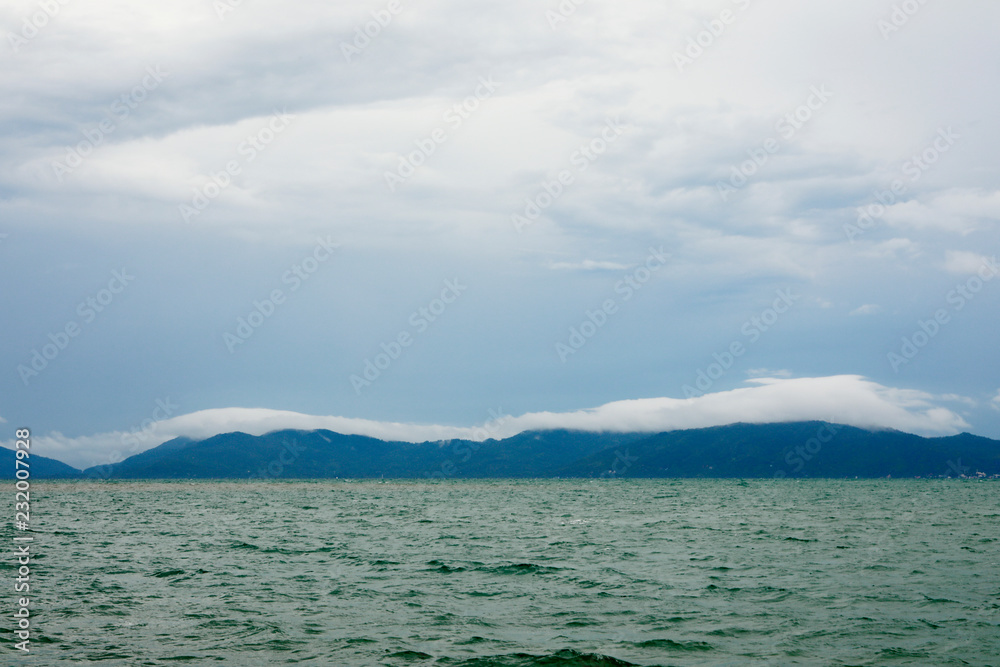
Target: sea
[[512, 573]]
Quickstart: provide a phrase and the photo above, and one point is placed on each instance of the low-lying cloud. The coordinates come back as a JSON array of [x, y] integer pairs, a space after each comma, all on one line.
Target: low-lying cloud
[[844, 399]]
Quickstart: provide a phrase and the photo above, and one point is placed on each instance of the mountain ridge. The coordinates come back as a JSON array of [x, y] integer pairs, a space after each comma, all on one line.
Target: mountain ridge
[[789, 449], [786, 449]]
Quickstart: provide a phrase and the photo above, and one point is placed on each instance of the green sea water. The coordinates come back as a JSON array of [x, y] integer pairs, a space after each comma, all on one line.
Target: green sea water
[[470, 573]]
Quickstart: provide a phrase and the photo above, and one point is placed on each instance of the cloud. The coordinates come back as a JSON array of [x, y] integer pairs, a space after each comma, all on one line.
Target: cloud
[[845, 399], [867, 309], [964, 263], [956, 211], [589, 265], [114, 446], [767, 372], [995, 402], [684, 134], [893, 249], [970, 402]]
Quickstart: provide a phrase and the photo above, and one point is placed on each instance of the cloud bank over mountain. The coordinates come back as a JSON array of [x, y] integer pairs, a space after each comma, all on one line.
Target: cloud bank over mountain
[[844, 399]]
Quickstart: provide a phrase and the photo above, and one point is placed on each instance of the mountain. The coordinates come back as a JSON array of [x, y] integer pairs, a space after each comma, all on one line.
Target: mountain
[[324, 454], [798, 449], [39, 467]]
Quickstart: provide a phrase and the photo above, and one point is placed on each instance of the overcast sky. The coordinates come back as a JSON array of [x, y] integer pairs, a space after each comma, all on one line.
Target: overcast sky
[[399, 213]]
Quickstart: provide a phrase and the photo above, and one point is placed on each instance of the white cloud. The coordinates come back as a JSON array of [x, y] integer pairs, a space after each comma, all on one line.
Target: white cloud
[[767, 372], [867, 309], [957, 211], [892, 249], [995, 403], [970, 402], [845, 399], [964, 263], [589, 265]]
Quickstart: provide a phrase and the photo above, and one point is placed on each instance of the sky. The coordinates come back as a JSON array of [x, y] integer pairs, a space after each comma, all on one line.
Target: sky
[[444, 219]]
